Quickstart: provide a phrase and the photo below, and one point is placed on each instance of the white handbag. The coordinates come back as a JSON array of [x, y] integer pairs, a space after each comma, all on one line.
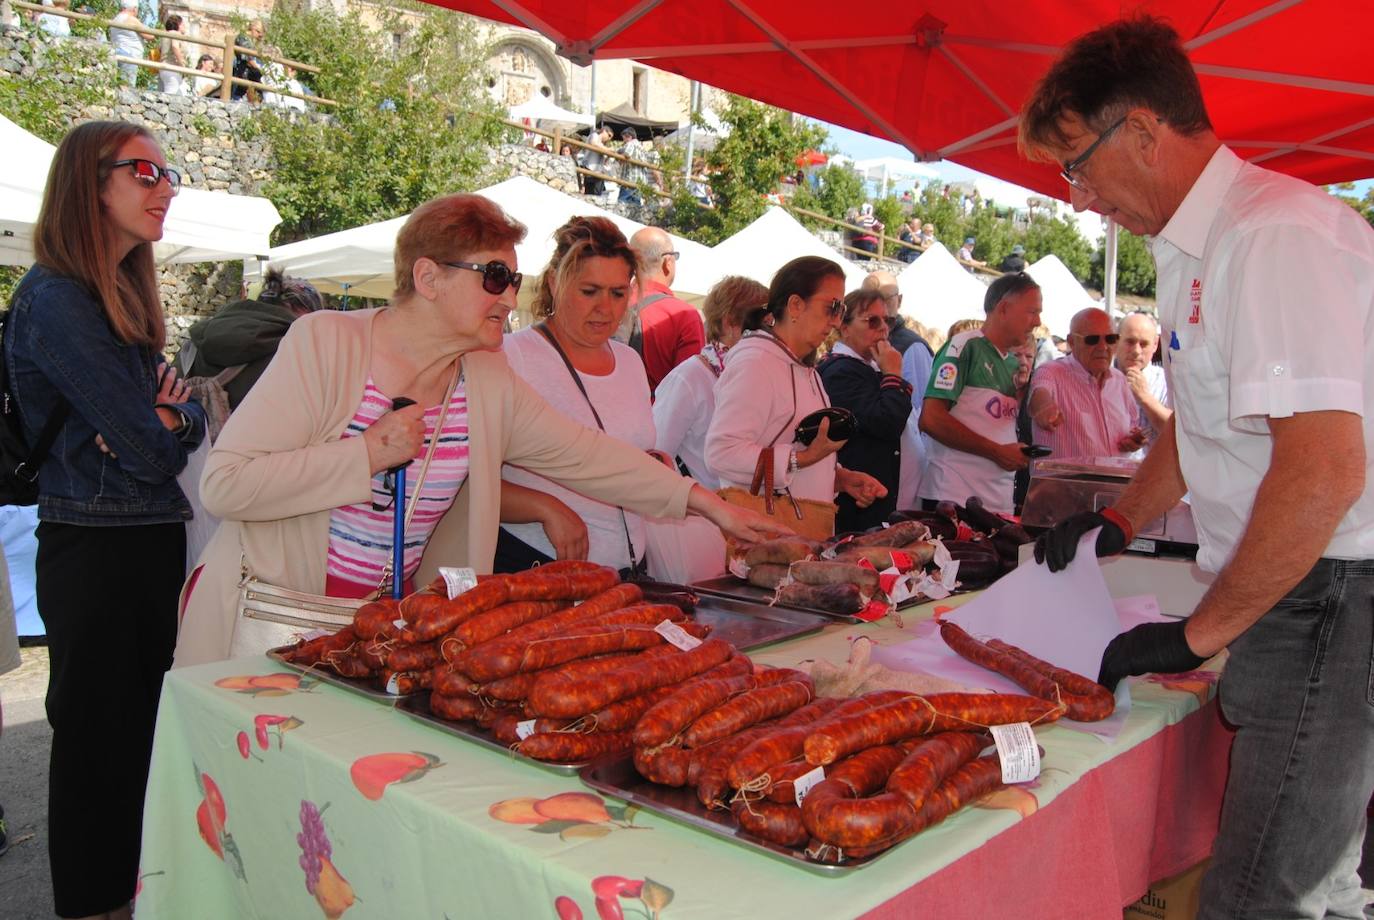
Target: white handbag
[[270, 616]]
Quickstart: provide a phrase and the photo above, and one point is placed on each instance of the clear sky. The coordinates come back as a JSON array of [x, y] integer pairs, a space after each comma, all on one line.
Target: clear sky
[[861, 146]]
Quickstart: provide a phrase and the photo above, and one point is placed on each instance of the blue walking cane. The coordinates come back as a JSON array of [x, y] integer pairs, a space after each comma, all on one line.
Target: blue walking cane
[[398, 528]]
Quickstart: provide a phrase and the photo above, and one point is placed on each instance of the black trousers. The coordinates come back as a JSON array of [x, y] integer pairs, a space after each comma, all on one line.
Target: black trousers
[[108, 597]]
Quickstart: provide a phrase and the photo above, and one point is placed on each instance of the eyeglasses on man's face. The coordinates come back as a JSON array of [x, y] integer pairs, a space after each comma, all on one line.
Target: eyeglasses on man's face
[[496, 275], [1071, 170], [1091, 340], [148, 174]]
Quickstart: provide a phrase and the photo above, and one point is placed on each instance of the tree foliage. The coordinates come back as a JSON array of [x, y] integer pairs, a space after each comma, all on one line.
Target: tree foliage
[[408, 125], [745, 166], [1363, 206], [1135, 266], [837, 189], [1061, 237]]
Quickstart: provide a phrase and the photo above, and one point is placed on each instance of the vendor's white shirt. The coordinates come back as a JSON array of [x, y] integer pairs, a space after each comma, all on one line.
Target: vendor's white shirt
[[763, 393], [683, 405], [622, 400], [1266, 299]]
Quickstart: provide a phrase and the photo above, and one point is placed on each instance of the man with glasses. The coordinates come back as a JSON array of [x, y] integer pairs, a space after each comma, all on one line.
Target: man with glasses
[[1081, 406], [1266, 299], [969, 410], [670, 329]]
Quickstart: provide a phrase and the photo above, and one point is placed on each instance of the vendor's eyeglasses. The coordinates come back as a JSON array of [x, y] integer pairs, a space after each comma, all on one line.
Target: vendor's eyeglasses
[[1071, 169], [1111, 337], [496, 275], [147, 173]]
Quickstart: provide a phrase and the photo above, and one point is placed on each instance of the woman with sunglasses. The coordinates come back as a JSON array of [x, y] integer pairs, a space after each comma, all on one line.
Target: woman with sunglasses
[[863, 373], [770, 384], [83, 348], [299, 475]]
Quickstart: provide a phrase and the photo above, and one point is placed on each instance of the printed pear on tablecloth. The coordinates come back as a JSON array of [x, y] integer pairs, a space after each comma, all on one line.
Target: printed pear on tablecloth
[[278, 684], [570, 815]]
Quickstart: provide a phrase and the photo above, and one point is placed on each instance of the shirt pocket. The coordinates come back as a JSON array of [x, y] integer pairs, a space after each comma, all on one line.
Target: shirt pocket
[[1200, 387]]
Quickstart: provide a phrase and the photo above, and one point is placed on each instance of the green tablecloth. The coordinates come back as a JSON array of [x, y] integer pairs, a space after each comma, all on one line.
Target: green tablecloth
[[224, 814]]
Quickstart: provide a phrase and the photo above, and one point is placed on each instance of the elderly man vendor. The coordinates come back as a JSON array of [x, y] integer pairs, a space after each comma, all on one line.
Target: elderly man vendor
[[1266, 298], [1081, 406]]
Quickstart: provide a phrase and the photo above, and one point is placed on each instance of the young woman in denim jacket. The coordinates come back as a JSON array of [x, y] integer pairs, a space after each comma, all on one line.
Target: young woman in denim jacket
[[86, 327]]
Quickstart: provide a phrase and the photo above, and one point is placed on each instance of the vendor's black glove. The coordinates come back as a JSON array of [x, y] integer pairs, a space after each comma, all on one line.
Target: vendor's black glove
[[1150, 648], [1057, 546]]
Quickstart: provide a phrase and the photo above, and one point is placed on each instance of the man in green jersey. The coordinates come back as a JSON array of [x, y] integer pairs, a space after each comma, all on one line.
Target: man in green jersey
[[970, 403]]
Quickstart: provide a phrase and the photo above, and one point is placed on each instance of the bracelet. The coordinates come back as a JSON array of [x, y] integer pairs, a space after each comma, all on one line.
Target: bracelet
[[792, 463], [1119, 519]]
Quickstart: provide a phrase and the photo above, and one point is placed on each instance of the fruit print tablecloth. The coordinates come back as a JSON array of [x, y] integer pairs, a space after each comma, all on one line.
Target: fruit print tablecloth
[[276, 797]]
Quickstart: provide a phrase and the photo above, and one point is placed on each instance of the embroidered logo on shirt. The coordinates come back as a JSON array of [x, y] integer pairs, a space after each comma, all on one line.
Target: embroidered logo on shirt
[[945, 376], [1195, 300]]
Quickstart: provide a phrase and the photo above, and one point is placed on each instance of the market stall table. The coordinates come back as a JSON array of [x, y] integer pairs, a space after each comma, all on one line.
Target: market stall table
[[416, 823]]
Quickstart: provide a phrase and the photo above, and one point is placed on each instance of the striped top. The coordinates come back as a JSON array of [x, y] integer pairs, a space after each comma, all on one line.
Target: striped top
[[359, 537], [1096, 417]]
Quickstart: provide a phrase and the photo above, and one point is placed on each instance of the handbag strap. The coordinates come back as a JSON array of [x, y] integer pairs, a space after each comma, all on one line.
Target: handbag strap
[[547, 333]]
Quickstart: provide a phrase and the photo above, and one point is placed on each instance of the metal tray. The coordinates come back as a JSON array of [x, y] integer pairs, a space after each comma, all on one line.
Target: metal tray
[[617, 777], [417, 707], [728, 586], [368, 687], [747, 625]]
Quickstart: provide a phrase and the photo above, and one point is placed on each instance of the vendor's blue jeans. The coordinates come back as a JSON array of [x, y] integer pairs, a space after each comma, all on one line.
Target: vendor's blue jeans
[[1299, 687]]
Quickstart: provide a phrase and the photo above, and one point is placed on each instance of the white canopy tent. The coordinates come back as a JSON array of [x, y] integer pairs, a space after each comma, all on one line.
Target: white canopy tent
[[770, 242], [541, 109], [201, 226], [1062, 293], [937, 291], [359, 262]]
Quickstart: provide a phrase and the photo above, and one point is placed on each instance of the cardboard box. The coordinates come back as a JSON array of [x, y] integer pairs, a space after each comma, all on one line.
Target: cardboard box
[[1173, 898]]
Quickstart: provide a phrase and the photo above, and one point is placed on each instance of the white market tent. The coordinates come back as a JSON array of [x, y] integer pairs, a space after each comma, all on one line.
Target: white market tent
[[359, 262], [770, 242], [541, 109], [937, 291], [1062, 293], [201, 226]]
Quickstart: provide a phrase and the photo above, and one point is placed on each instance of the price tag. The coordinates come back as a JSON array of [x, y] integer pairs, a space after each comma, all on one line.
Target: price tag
[[676, 635], [458, 580], [942, 556], [399, 623], [393, 684], [738, 568], [804, 783], [524, 729], [1017, 750]]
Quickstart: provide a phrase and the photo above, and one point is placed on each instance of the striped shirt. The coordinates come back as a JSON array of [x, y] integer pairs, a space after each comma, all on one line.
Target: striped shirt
[[1095, 417], [360, 542]]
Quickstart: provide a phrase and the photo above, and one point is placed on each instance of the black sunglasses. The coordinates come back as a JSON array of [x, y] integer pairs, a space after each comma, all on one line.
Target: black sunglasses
[[876, 322], [836, 308], [496, 275], [1070, 170], [148, 173], [1111, 337]]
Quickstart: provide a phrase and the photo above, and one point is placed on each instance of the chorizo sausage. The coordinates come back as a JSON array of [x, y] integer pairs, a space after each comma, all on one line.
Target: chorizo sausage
[[708, 771], [783, 744], [667, 766], [923, 715], [569, 697], [1086, 700], [309, 651], [377, 620], [488, 663], [541, 585], [662, 721], [747, 709], [498, 620], [413, 657], [573, 747], [454, 708], [774, 822], [444, 618], [517, 686], [612, 599]]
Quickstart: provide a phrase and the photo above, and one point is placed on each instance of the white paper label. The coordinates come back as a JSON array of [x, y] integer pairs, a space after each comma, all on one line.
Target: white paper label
[[739, 569], [676, 635], [941, 557], [393, 685], [399, 623], [1017, 750], [524, 729], [804, 783], [458, 580]]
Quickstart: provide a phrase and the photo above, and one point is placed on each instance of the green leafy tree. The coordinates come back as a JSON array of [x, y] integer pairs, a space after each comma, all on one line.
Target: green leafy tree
[[762, 146], [1135, 266], [408, 125], [891, 215], [839, 188], [1363, 206], [1063, 239], [934, 207], [995, 235]]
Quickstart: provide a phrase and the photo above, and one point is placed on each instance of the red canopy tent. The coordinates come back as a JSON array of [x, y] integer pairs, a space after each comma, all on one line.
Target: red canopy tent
[[1288, 82]]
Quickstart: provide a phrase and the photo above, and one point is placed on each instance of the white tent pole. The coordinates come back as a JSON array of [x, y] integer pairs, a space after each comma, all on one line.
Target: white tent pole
[[692, 95], [1109, 261], [591, 102]]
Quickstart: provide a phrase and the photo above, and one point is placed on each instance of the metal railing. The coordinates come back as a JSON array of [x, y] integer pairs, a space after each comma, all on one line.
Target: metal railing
[[228, 48]]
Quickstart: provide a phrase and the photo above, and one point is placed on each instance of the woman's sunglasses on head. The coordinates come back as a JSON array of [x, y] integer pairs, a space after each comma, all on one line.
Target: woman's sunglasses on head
[[496, 276], [149, 173]]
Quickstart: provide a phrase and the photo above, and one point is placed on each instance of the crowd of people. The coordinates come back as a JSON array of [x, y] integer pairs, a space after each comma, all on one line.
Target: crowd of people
[[603, 431], [126, 38]]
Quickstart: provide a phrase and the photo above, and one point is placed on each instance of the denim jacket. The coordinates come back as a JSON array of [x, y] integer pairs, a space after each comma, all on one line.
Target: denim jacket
[[58, 341]]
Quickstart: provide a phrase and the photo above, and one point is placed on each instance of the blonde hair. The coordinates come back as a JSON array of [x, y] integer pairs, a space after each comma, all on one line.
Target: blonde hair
[[963, 325], [730, 300], [580, 239], [73, 237]]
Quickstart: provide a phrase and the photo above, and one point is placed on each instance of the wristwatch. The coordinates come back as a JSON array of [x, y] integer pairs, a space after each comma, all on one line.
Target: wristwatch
[[792, 464]]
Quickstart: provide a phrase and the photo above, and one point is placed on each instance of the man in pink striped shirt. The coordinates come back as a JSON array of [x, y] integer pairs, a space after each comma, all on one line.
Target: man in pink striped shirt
[[1081, 406]]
